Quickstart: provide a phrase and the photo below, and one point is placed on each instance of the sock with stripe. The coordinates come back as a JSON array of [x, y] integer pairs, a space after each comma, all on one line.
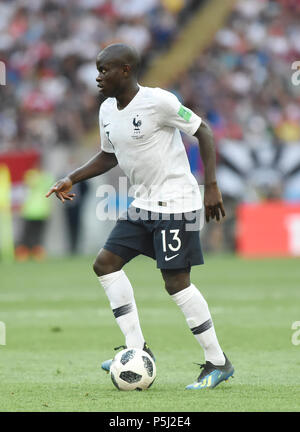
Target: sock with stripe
[[196, 312], [120, 295]]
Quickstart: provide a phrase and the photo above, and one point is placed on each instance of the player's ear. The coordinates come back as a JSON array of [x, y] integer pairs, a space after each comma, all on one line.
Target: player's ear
[[126, 69]]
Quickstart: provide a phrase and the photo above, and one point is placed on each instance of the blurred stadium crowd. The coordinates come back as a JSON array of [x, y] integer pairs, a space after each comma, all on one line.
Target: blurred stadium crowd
[[50, 47], [242, 83]]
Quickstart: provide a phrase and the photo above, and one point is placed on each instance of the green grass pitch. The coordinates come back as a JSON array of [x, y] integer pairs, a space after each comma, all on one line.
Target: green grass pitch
[[59, 328]]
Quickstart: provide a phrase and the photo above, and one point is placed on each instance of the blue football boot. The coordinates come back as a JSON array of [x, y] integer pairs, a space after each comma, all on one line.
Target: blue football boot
[[212, 375]]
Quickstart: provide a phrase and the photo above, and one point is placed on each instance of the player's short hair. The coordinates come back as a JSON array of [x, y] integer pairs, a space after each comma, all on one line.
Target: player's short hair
[[123, 54]]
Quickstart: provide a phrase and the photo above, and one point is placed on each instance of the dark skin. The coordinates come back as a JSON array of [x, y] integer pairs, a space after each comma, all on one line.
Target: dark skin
[[213, 203], [117, 77]]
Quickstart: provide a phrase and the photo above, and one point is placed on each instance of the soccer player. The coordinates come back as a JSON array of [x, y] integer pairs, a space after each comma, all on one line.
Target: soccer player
[[139, 128]]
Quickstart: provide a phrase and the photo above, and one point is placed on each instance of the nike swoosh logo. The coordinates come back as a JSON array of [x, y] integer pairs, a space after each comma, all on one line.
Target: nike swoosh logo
[[169, 258], [106, 125]]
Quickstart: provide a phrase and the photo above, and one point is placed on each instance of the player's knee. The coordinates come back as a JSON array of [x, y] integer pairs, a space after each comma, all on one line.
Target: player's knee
[[102, 268], [173, 286], [176, 281], [107, 263], [97, 268]]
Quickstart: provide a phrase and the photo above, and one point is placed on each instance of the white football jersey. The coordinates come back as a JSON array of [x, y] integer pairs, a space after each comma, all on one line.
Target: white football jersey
[[147, 143]]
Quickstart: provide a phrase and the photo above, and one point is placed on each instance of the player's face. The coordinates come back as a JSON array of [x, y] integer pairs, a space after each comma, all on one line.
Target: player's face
[[110, 77]]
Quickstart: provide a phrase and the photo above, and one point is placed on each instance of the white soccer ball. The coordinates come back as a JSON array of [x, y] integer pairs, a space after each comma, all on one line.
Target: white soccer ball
[[132, 369]]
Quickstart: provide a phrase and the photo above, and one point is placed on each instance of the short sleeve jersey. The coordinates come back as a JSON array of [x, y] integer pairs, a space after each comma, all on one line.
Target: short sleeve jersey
[[145, 137]]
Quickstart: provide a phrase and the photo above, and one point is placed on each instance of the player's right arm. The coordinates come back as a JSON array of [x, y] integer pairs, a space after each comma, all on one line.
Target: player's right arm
[[99, 164]]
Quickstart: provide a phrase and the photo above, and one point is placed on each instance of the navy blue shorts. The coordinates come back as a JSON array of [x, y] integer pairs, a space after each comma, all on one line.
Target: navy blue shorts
[[173, 240]]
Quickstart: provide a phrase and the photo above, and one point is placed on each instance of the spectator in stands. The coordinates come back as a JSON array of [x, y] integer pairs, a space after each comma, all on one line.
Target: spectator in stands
[[243, 85], [49, 48]]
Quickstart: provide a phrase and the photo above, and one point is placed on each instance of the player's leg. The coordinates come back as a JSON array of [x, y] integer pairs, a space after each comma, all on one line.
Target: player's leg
[[217, 367], [108, 268], [196, 311], [127, 240], [107, 262], [177, 249]]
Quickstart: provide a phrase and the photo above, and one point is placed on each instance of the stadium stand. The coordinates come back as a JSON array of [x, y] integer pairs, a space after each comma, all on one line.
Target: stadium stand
[[242, 83], [49, 48], [238, 73]]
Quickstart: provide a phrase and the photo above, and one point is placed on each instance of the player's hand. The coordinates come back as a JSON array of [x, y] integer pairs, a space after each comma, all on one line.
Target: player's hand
[[61, 189], [213, 202]]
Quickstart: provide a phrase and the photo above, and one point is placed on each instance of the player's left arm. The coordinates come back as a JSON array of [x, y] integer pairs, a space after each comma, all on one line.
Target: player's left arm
[[213, 202]]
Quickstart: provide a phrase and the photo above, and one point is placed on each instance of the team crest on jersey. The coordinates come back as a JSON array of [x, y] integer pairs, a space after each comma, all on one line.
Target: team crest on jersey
[[137, 123]]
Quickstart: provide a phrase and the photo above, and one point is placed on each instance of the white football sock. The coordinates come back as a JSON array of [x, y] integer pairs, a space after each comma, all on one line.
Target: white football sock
[[196, 312], [120, 295]]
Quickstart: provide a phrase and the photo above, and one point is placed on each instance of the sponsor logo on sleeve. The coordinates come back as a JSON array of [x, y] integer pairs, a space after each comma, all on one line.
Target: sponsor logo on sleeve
[[185, 113]]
